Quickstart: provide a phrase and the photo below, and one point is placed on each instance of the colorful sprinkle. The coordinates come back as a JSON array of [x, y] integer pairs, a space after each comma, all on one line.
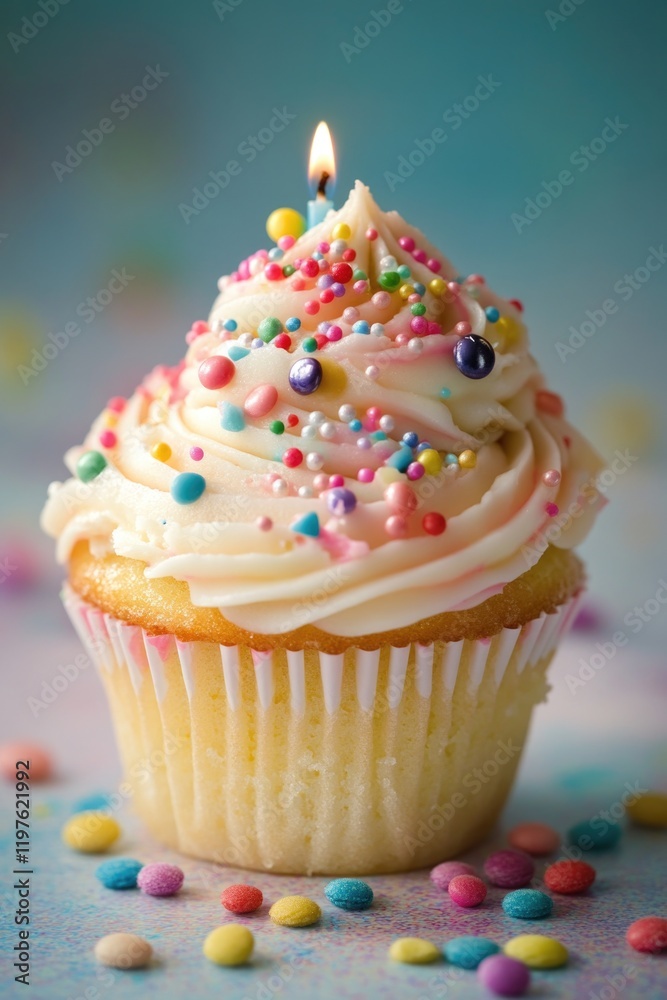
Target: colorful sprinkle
[[235, 352], [504, 976], [509, 869], [160, 879], [295, 911], [650, 810], [216, 371], [341, 501], [230, 945], [413, 951], [196, 453], [91, 832], [569, 877], [433, 523], [468, 951], [467, 890], [537, 951], [305, 376], [527, 904], [241, 898], [285, 222], [187, 487], [261, 400], [648, 934], [119, 873], [349, 894], [443, 874], [123, 951], [536, 839], [594, 835], [90, 465], [161, 451]]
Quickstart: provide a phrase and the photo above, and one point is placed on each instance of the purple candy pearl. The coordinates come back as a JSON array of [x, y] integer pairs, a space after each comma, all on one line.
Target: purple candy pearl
[[341, 501], [504, 976], [160, 879], [305, 376], [474, 356]]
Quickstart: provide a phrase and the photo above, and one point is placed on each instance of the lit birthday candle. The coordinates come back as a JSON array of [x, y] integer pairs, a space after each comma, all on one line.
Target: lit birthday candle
[[321, 175]]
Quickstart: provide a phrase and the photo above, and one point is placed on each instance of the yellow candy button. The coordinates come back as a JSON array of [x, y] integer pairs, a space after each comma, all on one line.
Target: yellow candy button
[[649, 810], [295, 911], [230, 944], [285, 222], [537, 951], [431, 461], [414, 951], [91, 832]]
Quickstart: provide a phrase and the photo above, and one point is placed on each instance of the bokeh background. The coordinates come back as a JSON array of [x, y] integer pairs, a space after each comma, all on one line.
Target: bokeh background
[[559, 72]]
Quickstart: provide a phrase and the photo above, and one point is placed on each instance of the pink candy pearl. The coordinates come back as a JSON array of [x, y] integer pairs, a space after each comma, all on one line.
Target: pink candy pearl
[[334, 333], [273, 272], [467, 890], [509, 869], [475, 279], [463, 329], [366, 476], [415, 297], [196, 453], [420, 256], [381, 300], [419, 325], [371, 234], [407, 243], [321, 482], [443, 874], [298, 284], [396, 526], [264, 523], [374, 413], [323, 247], [415, 470], [117, 404], [402, 339], [108, 439], [401, 497], [551, 477], [360, 286], [434, 265], [551, 509], [350, 315], [454, 288], [160, 879], [199, 327], [312, 307], [434, 328], [286, 242], [261, 400], [335, 481]]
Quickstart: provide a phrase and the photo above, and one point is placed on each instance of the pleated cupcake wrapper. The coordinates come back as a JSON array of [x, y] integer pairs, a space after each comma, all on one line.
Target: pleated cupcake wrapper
[[114, 645]]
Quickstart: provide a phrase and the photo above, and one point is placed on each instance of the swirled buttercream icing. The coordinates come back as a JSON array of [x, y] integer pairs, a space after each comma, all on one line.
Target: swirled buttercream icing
[[358, 438]]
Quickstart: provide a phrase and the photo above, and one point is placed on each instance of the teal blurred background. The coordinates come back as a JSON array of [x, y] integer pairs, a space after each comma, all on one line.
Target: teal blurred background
[[384, 76]]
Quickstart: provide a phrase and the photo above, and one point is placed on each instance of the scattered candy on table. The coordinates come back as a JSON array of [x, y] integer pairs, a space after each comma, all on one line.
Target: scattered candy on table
[[537, 951], [295, 911], [160, 879], [568, 877], [467, 890], [413, 951], [231, 944], [15, 756], [468, 951], [509, 869], [91, 832], [648, 934], [349, 893], [119, 873], [241, 898], [594, 835], [504, 976], [443, 874], [536, 839], [527, 904], [123, 951], [650, 809]]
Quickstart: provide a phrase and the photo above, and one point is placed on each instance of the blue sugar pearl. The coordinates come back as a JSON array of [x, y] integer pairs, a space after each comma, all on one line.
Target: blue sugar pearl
[[474, 356], [361, 326], [355, 425], [492, 314], [527, 904], [187, 487], [292, 324], [316, 255], [422, 446], [341, 501], [231, 417], [305, 376], [594, 835], [451, 459], [411, 439], [349, 894], [92, 803], [419, 288], [119, 873], [235, 352], [468, 951], [230, 324], [401, 459], [275, 253], [445, 393]]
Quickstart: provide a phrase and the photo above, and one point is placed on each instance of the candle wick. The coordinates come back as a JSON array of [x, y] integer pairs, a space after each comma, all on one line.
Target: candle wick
[[322, 186]]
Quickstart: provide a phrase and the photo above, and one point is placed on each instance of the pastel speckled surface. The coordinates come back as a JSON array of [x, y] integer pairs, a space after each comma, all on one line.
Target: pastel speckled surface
[[583, 751]]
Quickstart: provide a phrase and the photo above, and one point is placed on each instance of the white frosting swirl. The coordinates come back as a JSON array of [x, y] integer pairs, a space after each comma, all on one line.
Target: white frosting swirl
[[354, 578]]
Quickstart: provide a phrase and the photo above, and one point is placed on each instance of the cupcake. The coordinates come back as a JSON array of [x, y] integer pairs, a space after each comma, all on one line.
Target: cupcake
[[322, 564]]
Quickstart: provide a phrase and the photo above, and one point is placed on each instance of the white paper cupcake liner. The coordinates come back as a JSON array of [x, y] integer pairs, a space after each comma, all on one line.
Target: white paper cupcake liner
[[307, 762]]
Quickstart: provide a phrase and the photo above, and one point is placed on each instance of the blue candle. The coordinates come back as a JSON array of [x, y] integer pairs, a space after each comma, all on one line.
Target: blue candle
[[321, 175]]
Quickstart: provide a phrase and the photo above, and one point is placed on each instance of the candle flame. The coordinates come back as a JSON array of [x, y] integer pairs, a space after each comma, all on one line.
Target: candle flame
[[322, 163]]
